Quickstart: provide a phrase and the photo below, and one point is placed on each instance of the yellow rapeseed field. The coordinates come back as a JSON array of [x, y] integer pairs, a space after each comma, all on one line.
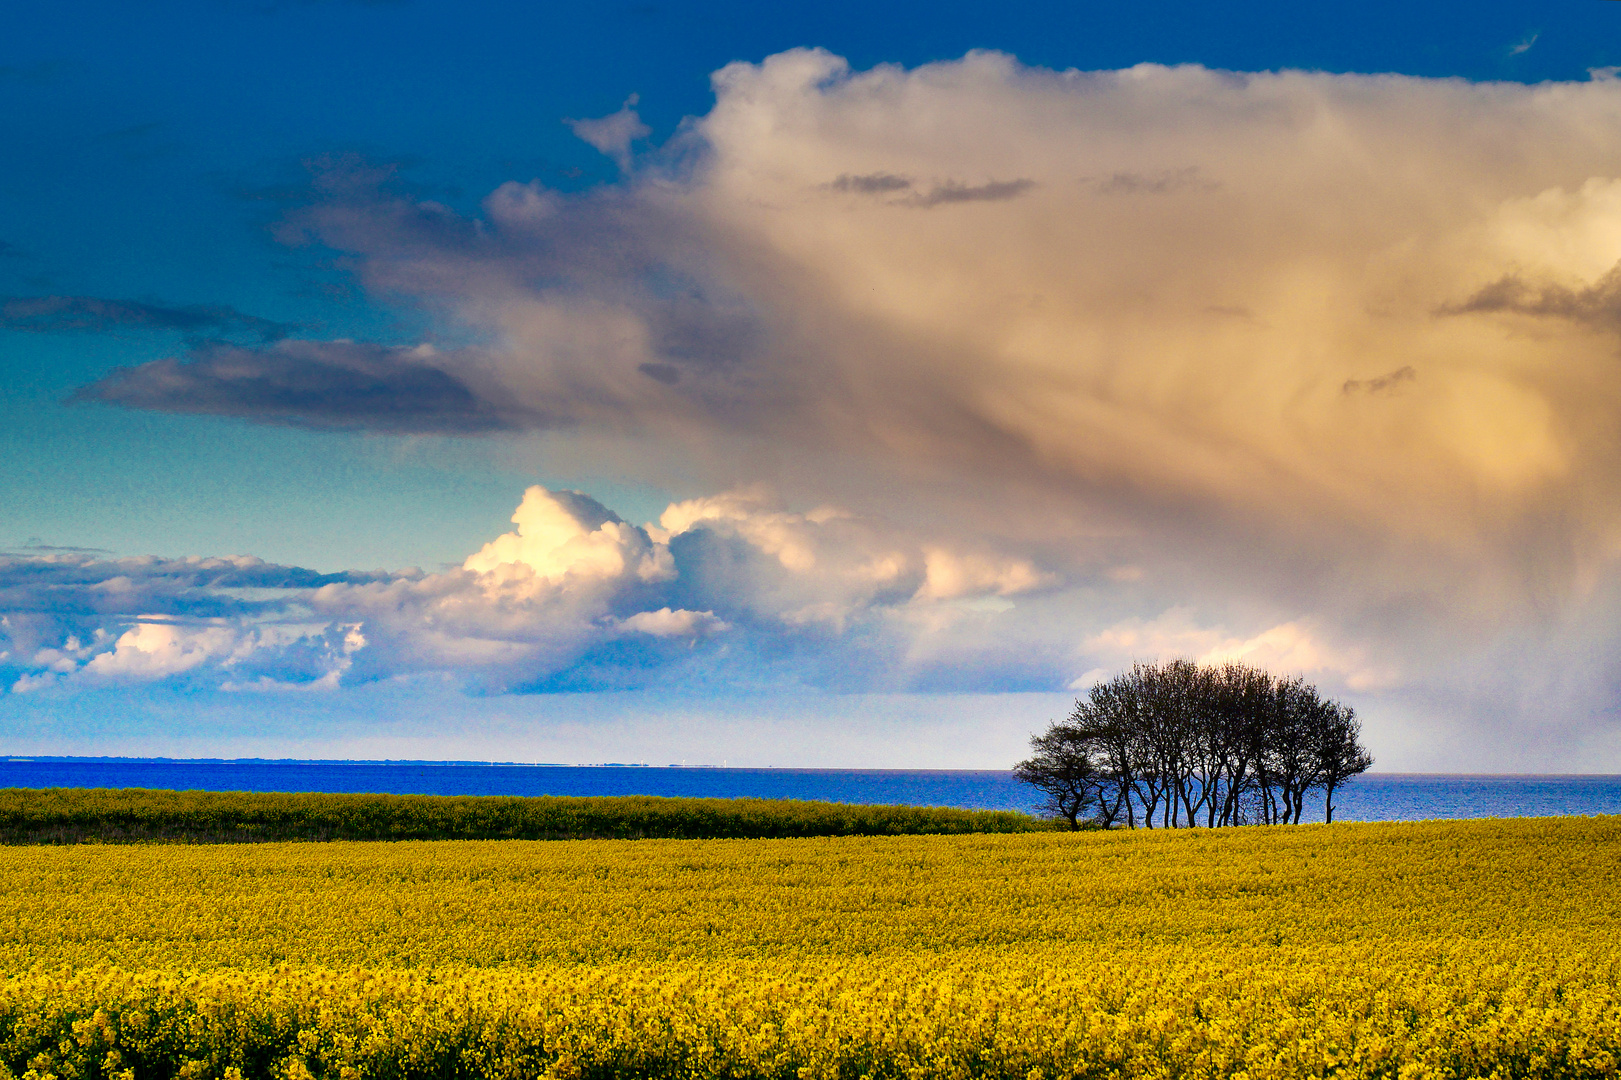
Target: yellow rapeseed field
[[1453, 949]]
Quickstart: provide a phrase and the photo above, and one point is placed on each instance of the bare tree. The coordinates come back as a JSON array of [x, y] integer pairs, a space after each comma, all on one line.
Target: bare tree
[[1340, 754], [1062, 770], [1118, 714], [1182, 743], [1289, 749]]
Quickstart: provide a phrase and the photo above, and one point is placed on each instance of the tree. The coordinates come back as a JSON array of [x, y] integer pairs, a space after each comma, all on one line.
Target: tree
[[1211, 745], [1061, 768], [1112, 717], [1290, 749], [1340, 753]]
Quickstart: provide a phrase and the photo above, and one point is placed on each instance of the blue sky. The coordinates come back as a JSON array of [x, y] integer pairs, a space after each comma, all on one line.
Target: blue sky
[[314, 190]]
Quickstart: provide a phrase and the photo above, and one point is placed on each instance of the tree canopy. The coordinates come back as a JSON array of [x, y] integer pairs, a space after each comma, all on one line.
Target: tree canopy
[[1183, 744]]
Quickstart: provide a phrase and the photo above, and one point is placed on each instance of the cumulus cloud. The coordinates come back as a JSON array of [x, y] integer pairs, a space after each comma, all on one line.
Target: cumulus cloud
[[1342, 347], [573, 598], [153, 650], [76, 617], [568, 537]]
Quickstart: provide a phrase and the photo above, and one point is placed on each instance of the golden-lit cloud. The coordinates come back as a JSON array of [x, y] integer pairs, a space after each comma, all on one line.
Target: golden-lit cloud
[[1315, 305], [1369, 316]]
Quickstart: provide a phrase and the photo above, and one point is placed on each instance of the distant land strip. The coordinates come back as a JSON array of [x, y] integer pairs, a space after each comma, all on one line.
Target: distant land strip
[[146, 815]]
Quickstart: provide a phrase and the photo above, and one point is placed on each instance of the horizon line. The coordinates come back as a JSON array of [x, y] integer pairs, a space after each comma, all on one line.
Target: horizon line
[[61, 759]]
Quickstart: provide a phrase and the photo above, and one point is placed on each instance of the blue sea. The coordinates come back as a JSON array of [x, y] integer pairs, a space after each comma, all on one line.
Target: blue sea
[[1375, 797]]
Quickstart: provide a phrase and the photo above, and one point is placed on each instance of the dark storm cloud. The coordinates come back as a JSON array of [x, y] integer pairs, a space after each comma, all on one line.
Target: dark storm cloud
[[954, 192], [1383, 384], [1597, 306], [94, 314], [668, 374], [951, 191], [871, 184], [323, 385]]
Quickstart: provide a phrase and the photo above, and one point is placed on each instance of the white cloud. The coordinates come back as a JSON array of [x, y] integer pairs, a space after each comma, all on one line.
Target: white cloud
[[26, 683], [1292, 648], [950, 574], [613, 134], [667, 623], [153, 650], [573, 597], [564, 537]]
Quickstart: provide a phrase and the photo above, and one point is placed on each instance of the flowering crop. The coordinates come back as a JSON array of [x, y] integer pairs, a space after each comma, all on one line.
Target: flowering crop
[[1445, 949]]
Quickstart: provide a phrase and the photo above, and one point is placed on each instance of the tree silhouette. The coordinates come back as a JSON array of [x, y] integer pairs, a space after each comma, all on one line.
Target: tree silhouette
[[1185, 744]]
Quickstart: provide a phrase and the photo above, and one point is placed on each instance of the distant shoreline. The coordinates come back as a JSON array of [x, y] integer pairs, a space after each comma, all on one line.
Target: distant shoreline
[[1371, 797], [68, 759]]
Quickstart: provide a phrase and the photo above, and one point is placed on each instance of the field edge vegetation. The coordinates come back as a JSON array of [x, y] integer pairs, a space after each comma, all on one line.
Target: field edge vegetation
[[146, 815]]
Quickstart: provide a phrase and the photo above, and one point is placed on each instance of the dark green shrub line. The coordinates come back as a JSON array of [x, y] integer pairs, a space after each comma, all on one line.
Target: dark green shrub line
[[142, 815]]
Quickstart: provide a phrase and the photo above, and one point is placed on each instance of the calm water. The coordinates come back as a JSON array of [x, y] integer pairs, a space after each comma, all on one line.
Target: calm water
[[1382, 797]]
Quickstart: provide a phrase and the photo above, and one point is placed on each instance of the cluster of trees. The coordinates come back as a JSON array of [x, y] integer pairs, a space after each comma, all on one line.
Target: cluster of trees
[[1193, 745]]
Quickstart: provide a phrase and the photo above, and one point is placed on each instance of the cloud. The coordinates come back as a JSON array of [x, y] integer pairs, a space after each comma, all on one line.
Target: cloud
[[1290, 648], [954, 192], [1190, 364], [153, 650], [613, 134], [1054, 340], [74, 617], [1161, 183], [871, 184], [574, 598], [93, 314], [323, 385], [951, 574], [948, 191], [1596, 305], [564, 538], [667, 623], [1384, 384]]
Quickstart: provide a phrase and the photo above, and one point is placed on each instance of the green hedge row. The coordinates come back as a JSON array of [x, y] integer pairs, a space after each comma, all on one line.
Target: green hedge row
[[136, 815]]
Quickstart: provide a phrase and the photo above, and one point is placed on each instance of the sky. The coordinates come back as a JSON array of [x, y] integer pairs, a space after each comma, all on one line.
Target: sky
[[842, 386]]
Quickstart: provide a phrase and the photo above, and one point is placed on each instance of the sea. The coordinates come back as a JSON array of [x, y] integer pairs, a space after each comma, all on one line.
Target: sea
[[1372, 797]]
